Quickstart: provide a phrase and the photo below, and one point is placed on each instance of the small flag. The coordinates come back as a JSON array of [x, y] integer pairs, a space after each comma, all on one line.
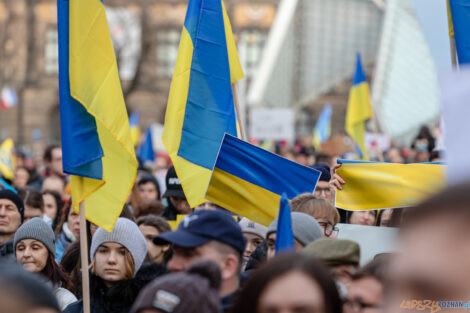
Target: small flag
[[9, 98], [200, 106], [284, 234], [7, 159], [322, 130], [134, 125], [359, 110], [146, 152], [249, 181], [371, 186]]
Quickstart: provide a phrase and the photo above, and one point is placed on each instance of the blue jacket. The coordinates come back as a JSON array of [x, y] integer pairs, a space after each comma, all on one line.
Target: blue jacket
[[62, 243]]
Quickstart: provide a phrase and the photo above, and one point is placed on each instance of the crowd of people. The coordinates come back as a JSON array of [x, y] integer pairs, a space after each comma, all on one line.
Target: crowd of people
[[215, 261]]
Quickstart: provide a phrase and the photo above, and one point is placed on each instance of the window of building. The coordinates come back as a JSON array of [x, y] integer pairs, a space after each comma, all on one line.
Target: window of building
[[51, 52], [167, 51]]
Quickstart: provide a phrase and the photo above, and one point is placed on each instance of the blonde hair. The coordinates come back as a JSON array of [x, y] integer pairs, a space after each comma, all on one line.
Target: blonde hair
[[313, 206], [129, 265]]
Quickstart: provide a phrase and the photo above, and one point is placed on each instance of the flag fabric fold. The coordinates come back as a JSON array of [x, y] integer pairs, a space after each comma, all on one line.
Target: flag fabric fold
[[7, 159], [96, 140], [249, 181], [459, 26], [284, 234], [200, 105], [322, 130], [371, 186], [359, 110]]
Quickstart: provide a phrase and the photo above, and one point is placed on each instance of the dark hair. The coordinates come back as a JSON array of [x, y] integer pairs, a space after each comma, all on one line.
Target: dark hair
[[247, 300], [60, 205], [71, 263], [161, 225], [32, 198], [153, 207], [127, 213], [150, 179], [48, 152], [54, 272]]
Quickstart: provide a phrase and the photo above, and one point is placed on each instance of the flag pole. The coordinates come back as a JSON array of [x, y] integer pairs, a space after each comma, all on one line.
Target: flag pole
[[237, 110], [453, 53], [84, 259]]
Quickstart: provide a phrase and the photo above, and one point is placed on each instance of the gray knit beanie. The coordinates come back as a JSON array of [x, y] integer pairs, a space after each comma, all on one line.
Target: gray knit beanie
[[305, 228], [126, 233], [38, 230]]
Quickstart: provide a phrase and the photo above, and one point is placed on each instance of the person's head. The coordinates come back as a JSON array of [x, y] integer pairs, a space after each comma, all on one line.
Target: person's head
[[149, 188], [394, 155], [254, 234], [174, 192], [322, 210], [192, 291], [151, 226], [289, 283], [53, 160], [340, 255], [367, 289], [21, 178], [149, 207], [436, 156], [384, 218], [362, 217], [208, 235], [119, 254], [53, 205], [33, 203], [54, 183], [434, 242], [11, 214], [323, 189], [305, 228], [72, 219]]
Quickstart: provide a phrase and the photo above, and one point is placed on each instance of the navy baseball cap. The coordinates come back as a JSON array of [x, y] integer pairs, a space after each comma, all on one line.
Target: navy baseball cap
[[203, 226]]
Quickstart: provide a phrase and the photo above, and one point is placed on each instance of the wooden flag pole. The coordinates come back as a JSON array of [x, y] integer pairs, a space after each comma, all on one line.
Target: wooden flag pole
[[84, 260], [453, 53], [237, 110]]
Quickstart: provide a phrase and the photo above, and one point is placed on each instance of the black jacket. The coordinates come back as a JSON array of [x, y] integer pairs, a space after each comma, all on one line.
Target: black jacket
[[120, 297], [7, 252]]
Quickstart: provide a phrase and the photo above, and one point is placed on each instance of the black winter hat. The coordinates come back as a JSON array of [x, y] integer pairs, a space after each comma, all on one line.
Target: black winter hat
[[173, 185], [13, 197]]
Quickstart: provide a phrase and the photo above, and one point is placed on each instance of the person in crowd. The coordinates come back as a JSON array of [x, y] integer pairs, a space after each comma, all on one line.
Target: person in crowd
[[53, 205], [424, 141], [71, 264], [149, 207], [21, 178], [305, 228], [54, 183], [193, 291], [24, 292], [436, 156], [393, 155], [149, 188], [323, 189], [11, 217], [366, 292], [116, 274], [434, 245], [34, 244], [69, 231], [340, 255], [254, 234], [53, 161], [322, 210], [33, 203], [366, 218], [151, 226], [210, 235], [177, 203], [289, 283]]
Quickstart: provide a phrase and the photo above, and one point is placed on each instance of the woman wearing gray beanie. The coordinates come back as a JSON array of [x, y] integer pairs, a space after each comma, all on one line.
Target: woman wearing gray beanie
[[116, 273], [34, 244]]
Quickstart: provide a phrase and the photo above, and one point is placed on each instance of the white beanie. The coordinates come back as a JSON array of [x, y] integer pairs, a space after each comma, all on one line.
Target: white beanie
[[251, 227], [126, 233]]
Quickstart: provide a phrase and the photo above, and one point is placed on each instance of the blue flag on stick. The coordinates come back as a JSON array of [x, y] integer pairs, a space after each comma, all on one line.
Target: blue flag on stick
[[146, 152], [284, 235]]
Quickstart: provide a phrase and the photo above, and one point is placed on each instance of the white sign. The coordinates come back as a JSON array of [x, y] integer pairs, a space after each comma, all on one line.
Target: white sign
[[373, 240], [272, 124]]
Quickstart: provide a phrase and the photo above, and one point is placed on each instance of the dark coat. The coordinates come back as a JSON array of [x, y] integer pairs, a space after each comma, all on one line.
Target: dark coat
[[120, 297], [7, 252]]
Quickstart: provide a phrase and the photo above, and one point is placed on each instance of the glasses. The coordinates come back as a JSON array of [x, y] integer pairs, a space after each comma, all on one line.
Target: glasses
[[329, 228], [357, 305]]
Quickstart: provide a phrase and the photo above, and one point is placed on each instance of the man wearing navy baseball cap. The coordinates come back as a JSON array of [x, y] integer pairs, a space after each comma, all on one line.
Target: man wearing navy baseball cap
[[210, 235]]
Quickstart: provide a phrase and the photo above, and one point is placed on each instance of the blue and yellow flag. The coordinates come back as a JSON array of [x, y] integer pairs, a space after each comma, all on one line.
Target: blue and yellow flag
[[200, 105], [322, 130], [459, 26], [371, 186], [249, 181], [284, 235], [146, 151], [7, 159], [135, 130], [359, 110], [96, 140]]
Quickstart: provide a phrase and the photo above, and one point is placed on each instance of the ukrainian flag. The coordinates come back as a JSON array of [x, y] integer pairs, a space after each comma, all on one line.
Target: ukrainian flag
[[249, 181], [359, 110], [135, 130], [7, 159], [96, 140], [200, 105], [322, 130], [459, 27], [371, 186]]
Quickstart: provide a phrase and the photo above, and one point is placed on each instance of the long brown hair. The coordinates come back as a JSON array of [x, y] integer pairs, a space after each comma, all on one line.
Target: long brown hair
[[55, 273], [129, 265]]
